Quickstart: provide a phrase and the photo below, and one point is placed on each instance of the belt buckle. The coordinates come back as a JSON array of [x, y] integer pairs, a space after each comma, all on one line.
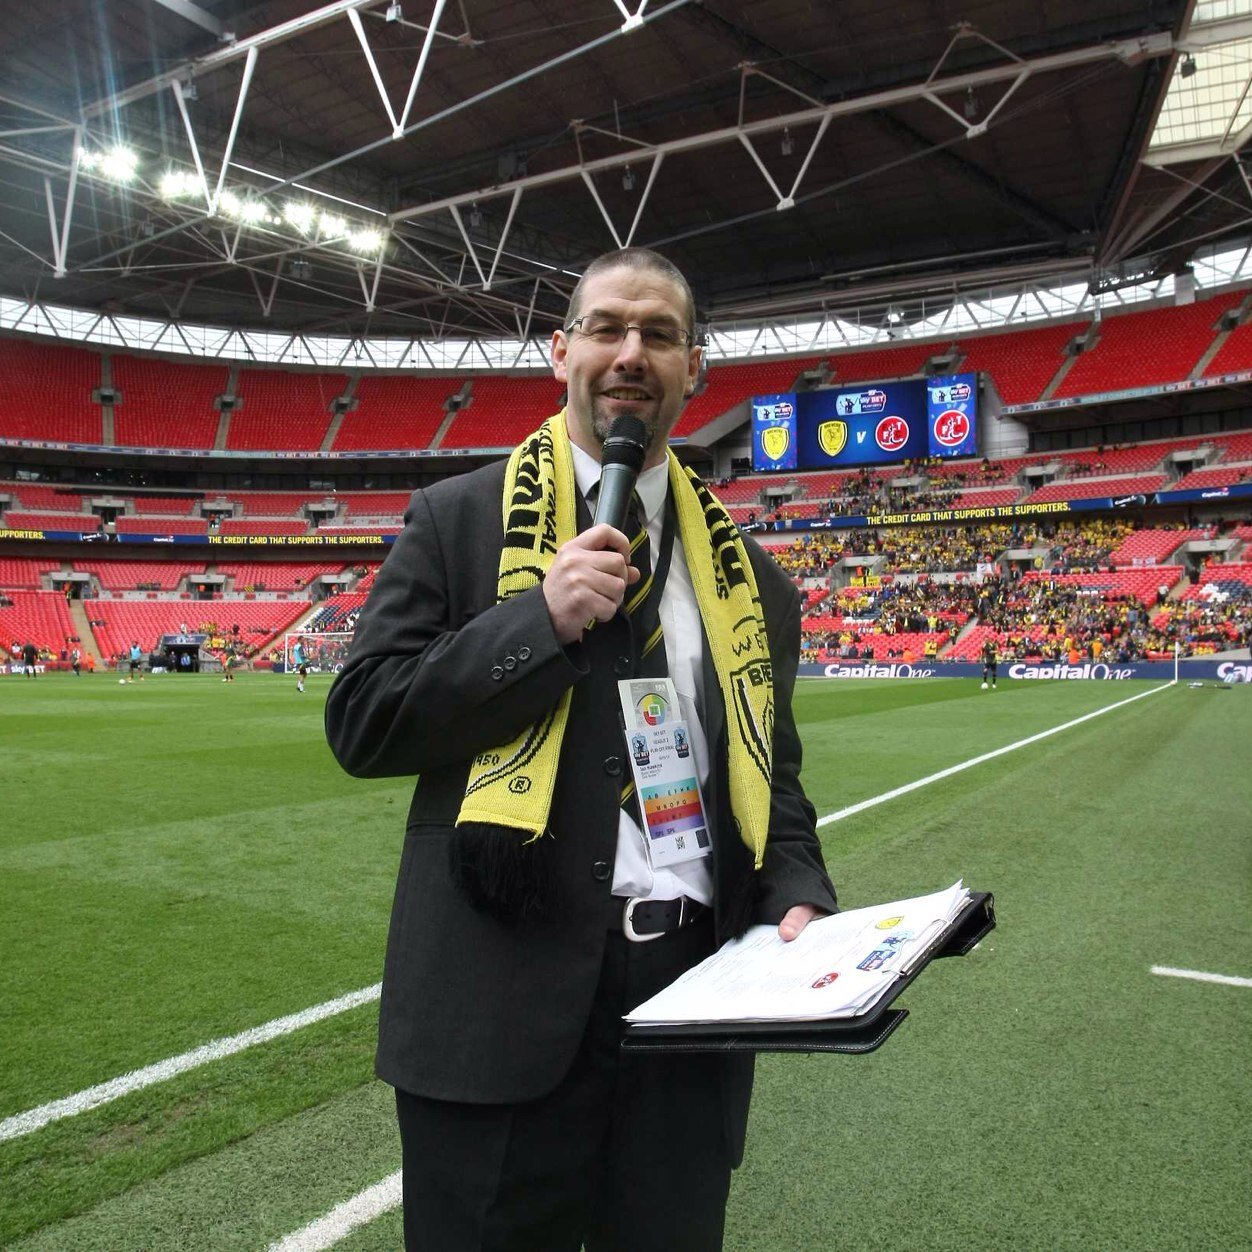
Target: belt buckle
[[628, 923]]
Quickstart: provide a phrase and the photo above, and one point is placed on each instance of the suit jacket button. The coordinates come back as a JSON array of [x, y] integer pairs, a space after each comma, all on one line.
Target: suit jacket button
[[523, 653], [510, 662], [622, 666], [497, 672], [601, 871], [612, 765]]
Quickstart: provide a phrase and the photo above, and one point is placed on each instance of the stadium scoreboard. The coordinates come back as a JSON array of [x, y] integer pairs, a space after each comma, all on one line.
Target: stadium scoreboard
[[865, 424]]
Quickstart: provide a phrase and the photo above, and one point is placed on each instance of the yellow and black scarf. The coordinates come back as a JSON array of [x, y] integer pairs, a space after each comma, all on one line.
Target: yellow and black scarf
[[509, 789]]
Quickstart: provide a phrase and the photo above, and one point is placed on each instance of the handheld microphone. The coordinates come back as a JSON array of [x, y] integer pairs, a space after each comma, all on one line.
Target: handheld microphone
[[624, 452]]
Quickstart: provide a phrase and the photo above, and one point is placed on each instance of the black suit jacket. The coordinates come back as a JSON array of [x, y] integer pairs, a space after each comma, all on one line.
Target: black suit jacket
[[474, 1009]]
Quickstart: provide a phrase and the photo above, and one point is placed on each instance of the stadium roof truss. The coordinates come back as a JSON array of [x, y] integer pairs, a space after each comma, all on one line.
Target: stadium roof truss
[[151, 198]]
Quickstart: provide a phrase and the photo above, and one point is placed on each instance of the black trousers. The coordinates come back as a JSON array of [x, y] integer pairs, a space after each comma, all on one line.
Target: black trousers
[[628, 1154]]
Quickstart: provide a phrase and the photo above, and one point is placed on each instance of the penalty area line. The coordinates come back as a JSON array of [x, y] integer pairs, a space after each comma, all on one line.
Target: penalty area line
[[986, 756], [1199, 975], [93, 1097], [344, 1218]]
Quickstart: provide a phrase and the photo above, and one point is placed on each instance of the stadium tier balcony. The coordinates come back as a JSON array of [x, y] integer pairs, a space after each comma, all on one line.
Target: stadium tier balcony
[[1235, 447], [162, 524], [395, 412], [121, 575], [907, 645], [375, 503], [283, 411], [269, 503], [176, 506], [25, 573], [986, 497], [1092, 488], [1235, 355], [367, 579], [1142, 349], [875, 364], [259, 621], [336, 612], [729, 385], [1022, 362], [166, 404], [39, 497], [1234, 578], [48, 389], [1217, 476], [1152, 546], [1131, 459], [262, 526], [503, 411], [42, 617], [1142, 583], [18, 519], [281, 576]]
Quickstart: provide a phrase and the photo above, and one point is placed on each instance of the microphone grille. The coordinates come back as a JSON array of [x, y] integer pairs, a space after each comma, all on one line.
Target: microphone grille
[[627, 443]]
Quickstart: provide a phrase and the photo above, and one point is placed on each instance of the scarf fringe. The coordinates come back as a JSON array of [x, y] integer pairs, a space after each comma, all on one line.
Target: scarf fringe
[[501, 874]]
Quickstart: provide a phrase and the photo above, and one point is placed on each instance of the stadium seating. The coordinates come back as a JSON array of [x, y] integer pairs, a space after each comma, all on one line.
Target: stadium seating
[[162, 524], [45, 498], [1151, 546], [1119, 361], [729, 385], [282, 576], [1141, 583], [1215, 476], [123, 575], [166, 404], [283, 411], [16, 519], [271, 503], [1232, 578], [867, 365], [1235, 447], [178, 506], [259, 621], [48, 390], [395, 412], [986, 497], [262, 526], [375, 503], [42, 617], [1235, 355], [1091, 488], [503, 411], [25, 573], [1022, 362]]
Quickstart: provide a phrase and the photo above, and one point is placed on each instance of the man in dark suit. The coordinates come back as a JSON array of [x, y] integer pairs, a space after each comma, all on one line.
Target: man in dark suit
[[510, 964]]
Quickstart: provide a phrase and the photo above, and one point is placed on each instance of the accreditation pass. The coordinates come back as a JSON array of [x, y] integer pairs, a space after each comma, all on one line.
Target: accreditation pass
[[661, 762]]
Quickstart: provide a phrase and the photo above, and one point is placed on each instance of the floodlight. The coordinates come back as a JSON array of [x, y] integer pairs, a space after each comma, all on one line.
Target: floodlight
[[332, 226], [252, 211], [175, 184], [1188, 66], [229, 203], [87, 159], [971, 107], [475, 217], [894, 316], [120, 164], [394, 11], [367, 241], [300, 214], [628, 179], [787, 146]]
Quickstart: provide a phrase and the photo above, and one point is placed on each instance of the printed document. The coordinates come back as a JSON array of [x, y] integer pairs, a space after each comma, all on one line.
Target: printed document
[[840, 966]]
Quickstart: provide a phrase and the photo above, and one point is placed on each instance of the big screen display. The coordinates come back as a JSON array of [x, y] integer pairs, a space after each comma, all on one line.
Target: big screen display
[[867, 424]]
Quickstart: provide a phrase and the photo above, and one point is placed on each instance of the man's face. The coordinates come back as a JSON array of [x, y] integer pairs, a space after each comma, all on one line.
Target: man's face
[[606, 381]]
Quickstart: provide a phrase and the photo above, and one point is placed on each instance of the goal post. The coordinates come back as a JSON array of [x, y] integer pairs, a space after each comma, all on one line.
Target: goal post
[[323, 652]]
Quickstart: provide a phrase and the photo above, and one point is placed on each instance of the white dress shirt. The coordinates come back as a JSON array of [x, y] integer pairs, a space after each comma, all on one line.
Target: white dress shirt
[[633, 874]]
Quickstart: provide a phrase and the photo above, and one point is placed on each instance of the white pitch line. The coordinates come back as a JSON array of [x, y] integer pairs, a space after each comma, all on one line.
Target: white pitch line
[[23, 1123], [344, 1218], [1199, 975], [978, 760]]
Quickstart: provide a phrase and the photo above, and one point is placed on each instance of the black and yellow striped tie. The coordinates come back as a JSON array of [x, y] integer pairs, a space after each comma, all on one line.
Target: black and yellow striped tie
[[643, 607]]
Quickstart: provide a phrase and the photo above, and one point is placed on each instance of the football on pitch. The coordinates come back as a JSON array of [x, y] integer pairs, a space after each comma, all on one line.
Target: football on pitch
[[123, 682], [984, 686]]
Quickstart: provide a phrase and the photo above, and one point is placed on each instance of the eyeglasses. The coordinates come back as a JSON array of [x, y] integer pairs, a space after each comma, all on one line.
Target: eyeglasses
[[609, 332]]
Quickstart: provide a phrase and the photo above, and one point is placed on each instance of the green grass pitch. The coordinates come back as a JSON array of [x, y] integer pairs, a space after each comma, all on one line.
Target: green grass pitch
[[181, 860]]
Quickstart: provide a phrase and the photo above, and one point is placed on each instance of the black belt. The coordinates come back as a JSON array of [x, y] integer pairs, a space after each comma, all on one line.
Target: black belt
[[641, 920]]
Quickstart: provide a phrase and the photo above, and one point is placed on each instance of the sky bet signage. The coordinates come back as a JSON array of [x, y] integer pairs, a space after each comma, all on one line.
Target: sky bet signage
[[865, 424]]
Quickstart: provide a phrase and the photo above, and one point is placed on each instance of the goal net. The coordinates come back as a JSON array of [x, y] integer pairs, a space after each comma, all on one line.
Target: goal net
[[321, 652]]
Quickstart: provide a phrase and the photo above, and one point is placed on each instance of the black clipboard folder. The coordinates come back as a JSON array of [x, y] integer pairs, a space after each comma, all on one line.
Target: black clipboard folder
[[843, 1034]]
